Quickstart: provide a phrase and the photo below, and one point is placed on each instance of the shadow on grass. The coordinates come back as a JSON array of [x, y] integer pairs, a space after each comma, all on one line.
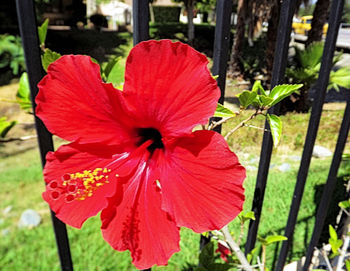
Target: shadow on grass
[[339, 194], [6, 151], [98, 45], [189, 267]]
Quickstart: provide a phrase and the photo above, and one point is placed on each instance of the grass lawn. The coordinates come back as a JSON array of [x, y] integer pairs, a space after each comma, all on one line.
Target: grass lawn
[[34, 249], [22, 186]]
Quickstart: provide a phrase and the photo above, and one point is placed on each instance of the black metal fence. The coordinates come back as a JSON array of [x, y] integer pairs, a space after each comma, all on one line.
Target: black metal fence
[[28, 30]]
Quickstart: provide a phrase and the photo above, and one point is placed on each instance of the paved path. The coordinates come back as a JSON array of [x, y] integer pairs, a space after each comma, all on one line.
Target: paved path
[[343, 40]]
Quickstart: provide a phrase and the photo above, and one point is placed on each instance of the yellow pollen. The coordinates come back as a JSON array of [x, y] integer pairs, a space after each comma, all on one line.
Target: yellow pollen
[[87, 182]]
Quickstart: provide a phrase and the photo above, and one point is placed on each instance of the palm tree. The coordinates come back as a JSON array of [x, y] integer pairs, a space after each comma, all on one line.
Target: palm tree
[[235, 67], [252, 13], [320, 15]]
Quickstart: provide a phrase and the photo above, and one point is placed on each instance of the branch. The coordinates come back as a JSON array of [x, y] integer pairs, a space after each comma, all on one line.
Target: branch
[[8, 101], [256, 127], [243, 123], [260, 264], [343, 252], [217, 123], [241, 234], [235, 248], [325, 257], [22, 138]]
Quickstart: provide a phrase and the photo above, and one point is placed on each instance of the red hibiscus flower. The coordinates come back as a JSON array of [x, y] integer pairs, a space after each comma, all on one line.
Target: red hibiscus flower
[[133, 154], [224, 251]]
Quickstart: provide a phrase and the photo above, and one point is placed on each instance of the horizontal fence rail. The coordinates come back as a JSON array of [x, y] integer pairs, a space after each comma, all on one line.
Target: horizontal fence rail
[[30, 42]]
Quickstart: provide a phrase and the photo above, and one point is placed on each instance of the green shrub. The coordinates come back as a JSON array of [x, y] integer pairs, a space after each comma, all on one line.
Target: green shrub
[[165, 14], [204, 35], [11, 58]]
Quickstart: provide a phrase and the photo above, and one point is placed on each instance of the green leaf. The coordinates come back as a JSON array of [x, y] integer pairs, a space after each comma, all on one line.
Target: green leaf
[[265, 100], [48, 57], [23, 93], [344, 204], [278, 93], [250, 215], [108, 68], [257, 102], [275, 238], [246, 216], [6, 126], [42, 31], [206, 234], [263, 241], [275, 127], [116, 74], [23, 90], [257, 86], [347, 264], [246, 98], [251, 254], [332, 233], [94, 60], [335, 245], [223, 112], [215, 77], [311, 56], [341, 77], [200, 268], [206, 257]]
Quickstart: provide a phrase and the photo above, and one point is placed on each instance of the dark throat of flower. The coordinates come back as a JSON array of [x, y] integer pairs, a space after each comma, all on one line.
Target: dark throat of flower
[[152, 134]]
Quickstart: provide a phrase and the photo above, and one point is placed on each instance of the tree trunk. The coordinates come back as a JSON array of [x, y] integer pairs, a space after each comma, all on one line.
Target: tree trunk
[[319, 19], [236, 66], [151, 13], [251, 22], [190, 7], [272, 37]]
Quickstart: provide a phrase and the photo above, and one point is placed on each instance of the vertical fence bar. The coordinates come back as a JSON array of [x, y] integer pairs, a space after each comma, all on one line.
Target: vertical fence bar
[[140, 14], [321, 87], [220, 58], [221, 46], [279, 66], [30, 41], [330, 185], [222, 43]]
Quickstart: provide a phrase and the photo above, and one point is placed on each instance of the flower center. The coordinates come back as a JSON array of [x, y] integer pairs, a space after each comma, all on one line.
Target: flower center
[[152, 134]]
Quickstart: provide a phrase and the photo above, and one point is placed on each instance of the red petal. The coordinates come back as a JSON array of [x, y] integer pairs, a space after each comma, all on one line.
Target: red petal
[[201, 182], [170, 86], [75, 104], [224, 251], [137, 222], [80, 178]]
